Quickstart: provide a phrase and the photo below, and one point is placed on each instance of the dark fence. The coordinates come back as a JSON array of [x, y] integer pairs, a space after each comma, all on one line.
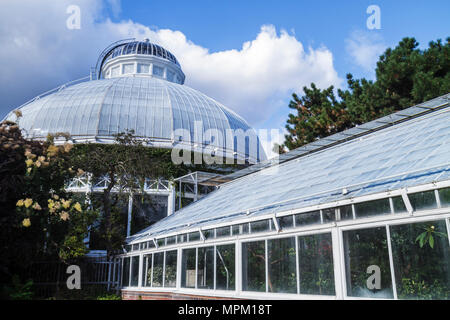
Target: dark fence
[[97, 276]]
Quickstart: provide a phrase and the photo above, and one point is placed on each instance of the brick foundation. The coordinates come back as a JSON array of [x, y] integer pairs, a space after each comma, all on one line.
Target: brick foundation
[[139, 295]]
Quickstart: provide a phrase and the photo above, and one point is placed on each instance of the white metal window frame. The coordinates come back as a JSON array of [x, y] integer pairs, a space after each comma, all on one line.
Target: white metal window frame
[[336, 228]]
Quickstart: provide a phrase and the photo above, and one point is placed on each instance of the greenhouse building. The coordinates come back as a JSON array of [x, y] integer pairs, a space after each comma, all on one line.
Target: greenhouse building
[[362, 214]]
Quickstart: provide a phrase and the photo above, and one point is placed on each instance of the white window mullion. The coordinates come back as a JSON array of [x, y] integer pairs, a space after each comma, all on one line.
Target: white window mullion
[[164, 269], [196, 267], [151, 276], [267, 266], [391, 262], [297, 264]]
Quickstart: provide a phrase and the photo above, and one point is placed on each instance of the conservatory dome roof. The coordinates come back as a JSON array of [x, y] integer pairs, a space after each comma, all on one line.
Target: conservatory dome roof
[[157, 108]]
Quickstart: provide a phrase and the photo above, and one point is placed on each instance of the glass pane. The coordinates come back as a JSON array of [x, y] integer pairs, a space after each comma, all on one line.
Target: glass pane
[[209, 234], [423, 200], [399, 205], [421, 272], [147, 271], [316, 264], [346, 212], [158, 265], [128, 68], [225, 267], [372, 208], [240, 229], [194, 236], [126, 272], [170, 272], [181, 238], [362, 249], [205, 268], [286, 222], [161, 242], [134, 271], [254, 266], [170, 240], [282, 265], [307, 218], [223, 232], [329, 215], [444, 196], [260, 226], [188, 268], [143, 68]]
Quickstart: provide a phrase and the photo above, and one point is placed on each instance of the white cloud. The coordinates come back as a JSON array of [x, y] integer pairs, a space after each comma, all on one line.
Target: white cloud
[[365, 48], [42, 53]]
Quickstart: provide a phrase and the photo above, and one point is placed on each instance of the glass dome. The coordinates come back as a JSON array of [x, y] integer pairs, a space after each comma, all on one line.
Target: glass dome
[[153, 108], [142, 90]]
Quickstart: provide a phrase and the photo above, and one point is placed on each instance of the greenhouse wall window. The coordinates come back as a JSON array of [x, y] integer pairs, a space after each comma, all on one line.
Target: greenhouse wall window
[[170, 270], [194, 236], [444, 197], [423, 200], [282, 265], [364, 248], [260, 226], [126, 272], [329, 215], [315, 257], [308, 218], [422, 272], [205, 268], [225, 267], [399, 205], [157, 271], [286, 222], [209, 234], [223, 232], [171, 240], [134, 271], [346, 212], [372, 208], [182, 238], [188, 270], [254, 266], [147, 270]]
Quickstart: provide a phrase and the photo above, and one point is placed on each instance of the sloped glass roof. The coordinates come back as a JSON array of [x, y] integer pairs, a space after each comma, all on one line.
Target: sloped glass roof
[[152, 107], [410, 153]]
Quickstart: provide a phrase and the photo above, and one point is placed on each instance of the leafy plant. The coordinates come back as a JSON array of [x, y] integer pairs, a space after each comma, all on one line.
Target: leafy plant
[[427, 236]]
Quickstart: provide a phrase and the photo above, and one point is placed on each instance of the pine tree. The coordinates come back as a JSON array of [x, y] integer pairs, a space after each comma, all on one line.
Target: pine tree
[[405, 76]]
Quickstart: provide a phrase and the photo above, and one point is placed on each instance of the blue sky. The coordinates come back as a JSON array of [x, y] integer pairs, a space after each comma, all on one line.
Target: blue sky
[[249, 55]]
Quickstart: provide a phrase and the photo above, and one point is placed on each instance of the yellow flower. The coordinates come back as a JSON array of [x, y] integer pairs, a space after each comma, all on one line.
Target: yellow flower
[[68, 147], [19, 203], [77, 207], [56, 197], [36, 206], [37, 164], [52, 150], [26, 222], [64, 215], [29, 170], [29, 162], [65, 203], [28, 202], [41, 159]]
